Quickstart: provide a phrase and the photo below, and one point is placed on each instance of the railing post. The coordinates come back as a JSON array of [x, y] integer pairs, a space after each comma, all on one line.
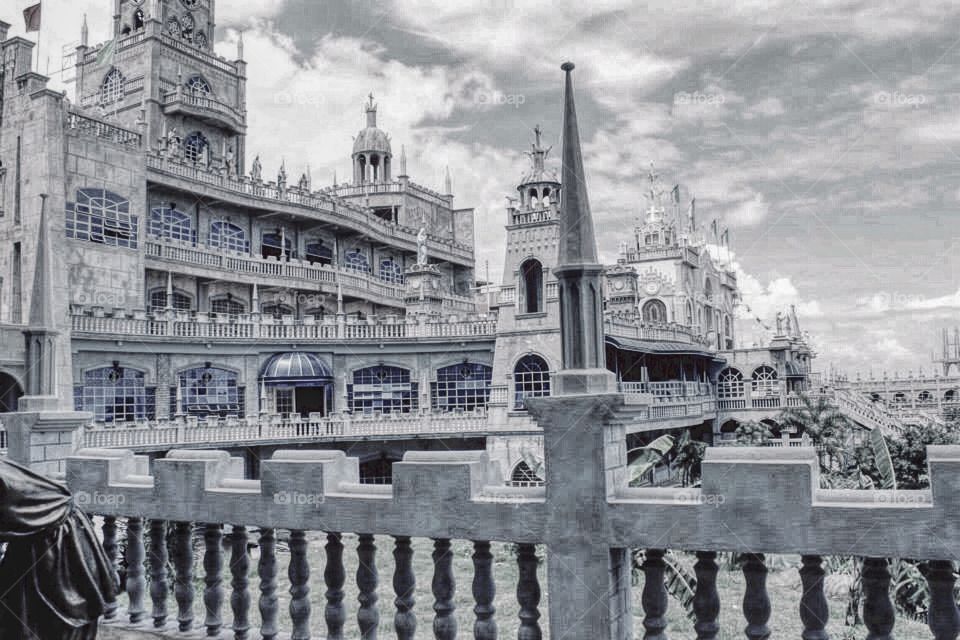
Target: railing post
[[213, 577], [404, 582], [136, 584], [110, 548], [528, 593], [706, 599], [484, 590], [159, 584], [183, 582], [334, 576], [299, 575], [582, 566], [654, 597], [878, 612], [444, 587], [756, 601], [368, 616], [944, 619], [267, 569], [239, 568], [814, 610]]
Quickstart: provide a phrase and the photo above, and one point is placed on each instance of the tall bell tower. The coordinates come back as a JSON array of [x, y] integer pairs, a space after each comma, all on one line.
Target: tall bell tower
[[159, 72]]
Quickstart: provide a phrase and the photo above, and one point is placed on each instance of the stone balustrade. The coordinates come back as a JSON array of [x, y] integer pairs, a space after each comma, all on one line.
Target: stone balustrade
[[632, 327], [274, 428], [586, 516], [85, 125], [317, 204], [163, 325]]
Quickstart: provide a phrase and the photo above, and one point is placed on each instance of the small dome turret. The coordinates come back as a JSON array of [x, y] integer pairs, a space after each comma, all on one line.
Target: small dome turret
[[371, 150]]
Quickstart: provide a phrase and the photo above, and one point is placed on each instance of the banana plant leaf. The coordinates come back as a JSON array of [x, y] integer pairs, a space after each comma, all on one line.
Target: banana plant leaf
[[881, 454], [649, 456]]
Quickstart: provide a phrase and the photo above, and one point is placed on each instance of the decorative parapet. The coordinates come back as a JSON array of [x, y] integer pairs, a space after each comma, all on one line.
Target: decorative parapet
[[739, 507], [85, 125], [99, 322]]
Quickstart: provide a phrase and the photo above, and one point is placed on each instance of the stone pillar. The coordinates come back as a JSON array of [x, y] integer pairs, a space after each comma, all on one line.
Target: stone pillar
[[41, 436], [596, 602]]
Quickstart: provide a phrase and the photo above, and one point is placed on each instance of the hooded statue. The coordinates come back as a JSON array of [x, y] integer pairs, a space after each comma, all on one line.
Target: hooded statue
[[55, 578]]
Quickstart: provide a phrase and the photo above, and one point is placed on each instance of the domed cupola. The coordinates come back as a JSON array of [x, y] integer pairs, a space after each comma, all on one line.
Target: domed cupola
[[540, 187], [371, 151]]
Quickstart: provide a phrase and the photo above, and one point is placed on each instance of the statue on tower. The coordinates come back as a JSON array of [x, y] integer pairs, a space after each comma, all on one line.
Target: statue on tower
[[282, 176], [173, 143], [230, 161], [256, 171], [422, 246]]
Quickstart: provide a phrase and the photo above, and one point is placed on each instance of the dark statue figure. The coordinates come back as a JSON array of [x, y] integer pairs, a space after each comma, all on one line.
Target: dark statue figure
[[55, 578]]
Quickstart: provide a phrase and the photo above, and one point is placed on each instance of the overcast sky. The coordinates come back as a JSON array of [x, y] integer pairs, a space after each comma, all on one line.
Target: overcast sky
[[825, 135]]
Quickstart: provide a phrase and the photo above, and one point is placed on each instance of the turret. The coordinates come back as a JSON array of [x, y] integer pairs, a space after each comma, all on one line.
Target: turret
[[371, 151], [540, 188]]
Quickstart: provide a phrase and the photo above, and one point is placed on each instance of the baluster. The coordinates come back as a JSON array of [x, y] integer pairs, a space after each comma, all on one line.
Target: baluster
[[183, 580], [528, 593], [159, 585], [213, 577], [136, 584], [368, 617], [267, 568], [334, 575], [878, 612], [299, 574], [444, 588], [404, 582], [654, 596], [240, 570], [943, 618], [814, 610], [110, 548], [706, 600], [484, 590], [756, 602]]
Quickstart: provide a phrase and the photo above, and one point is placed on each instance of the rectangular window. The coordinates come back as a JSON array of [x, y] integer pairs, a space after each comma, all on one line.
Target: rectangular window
[[284, 401], [16, 297]]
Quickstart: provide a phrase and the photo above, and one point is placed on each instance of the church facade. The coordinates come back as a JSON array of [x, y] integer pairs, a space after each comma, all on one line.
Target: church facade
[[189, 282]]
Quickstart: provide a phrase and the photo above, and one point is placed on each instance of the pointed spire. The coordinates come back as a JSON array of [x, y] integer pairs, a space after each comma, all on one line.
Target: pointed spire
[[403, 161], [84, 32], [334, 177], [41, 302], [577, 243], [240, 46], [448, 183], [371, 109]]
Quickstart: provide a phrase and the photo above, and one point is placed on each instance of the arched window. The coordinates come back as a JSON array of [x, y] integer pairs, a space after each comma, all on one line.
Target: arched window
[[270, 245], [196, 148], [899, 398], [198, 87], [523, 476], [357, 261], [317, 252], [950, 395], [654, 311], [277, 310], [924, 396], [462, 387], [382, 388], [210, 390], [167, 222], [689, 308], [181, 301], [226, 235], [111, 89], [116, 394], [103, 217], [390, 271], [531, 286], [227, 306], [729, 384], [531, 379], [765, 380]]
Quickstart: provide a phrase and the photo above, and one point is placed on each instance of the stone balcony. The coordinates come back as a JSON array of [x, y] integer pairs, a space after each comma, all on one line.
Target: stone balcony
[[318, 207], [97, 323], [205, 108]]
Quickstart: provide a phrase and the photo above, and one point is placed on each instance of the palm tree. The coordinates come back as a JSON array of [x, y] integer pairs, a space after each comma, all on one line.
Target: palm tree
[[690, 454], [829, 430]]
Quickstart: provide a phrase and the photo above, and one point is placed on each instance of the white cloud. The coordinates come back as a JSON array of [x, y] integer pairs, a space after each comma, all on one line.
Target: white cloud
[[768, 107], [749, 212]]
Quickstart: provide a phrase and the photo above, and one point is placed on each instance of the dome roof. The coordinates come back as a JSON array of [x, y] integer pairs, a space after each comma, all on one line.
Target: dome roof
[[294, 367], [372, 139]]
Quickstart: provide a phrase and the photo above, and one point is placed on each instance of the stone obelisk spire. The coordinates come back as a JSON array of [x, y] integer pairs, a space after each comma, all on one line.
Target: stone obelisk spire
[[578, 270]]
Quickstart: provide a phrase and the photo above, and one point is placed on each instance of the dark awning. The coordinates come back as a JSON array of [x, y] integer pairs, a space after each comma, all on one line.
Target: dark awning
[[296, 368], [661, 347]]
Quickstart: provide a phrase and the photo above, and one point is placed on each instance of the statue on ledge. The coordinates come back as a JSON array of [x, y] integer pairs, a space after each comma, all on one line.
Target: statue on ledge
[[173, 144], [230, 162], [256, 171], [422, 247], [282, 177]]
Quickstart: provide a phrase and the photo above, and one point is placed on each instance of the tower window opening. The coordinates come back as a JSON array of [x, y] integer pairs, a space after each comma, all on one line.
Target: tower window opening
[[531, 279], [112, 88]]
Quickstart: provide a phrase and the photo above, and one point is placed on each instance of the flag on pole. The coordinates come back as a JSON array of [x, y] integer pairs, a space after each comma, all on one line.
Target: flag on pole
[[106, 53], [31, 18]]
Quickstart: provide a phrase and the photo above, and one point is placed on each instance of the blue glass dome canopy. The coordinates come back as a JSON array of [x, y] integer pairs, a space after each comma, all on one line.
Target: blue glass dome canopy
[[296, 368]]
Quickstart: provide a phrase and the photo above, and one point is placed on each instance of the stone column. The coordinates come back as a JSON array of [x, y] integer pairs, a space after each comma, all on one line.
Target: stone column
[[596, 602], [41, 436]]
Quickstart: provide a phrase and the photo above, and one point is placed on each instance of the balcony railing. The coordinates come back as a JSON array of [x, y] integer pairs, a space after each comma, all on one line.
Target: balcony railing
[[314, 203], [205, 106], [232, 431], [633, 328], [753, 501], [95, 322], [85, 125]]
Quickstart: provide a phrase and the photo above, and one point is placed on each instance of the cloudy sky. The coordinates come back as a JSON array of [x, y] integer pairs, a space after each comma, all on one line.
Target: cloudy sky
[[825, 135]]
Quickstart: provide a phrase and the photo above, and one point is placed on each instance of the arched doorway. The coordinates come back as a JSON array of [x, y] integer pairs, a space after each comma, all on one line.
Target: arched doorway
[[10, 392]]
